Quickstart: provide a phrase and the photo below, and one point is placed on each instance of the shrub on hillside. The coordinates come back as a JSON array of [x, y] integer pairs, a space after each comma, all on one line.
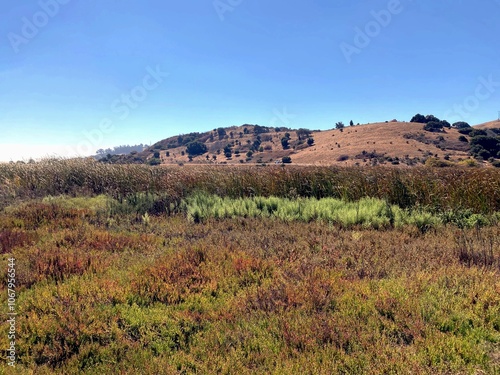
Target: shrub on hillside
[[465, 131], [303, 133], [477, 132], [445, 124], [260, 129], [154, 161], [285, 143], [461, 125], [468, 163], [437, 163], [485, 147], [196, 148], [418, 118], [430, 118], [434, 126]]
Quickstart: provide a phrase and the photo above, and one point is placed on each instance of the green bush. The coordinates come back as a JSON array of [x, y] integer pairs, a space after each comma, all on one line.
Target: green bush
[[418, 118], [196, 148], [461, 125], [484, 147], [477, 132], [285, 143], [465, 131], [154, 161], [434, 126]]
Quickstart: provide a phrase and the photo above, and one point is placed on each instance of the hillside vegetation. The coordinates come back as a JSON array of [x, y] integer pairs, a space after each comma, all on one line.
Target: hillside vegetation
[[425, 139]]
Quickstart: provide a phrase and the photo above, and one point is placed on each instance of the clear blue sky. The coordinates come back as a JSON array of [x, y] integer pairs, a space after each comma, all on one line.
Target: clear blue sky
[[76, 75]]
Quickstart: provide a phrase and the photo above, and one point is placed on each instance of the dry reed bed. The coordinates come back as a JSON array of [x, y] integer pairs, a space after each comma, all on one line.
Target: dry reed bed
[[441, 189]]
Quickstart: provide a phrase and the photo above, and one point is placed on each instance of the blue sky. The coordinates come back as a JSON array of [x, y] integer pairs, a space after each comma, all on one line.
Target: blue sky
[[76, 76]]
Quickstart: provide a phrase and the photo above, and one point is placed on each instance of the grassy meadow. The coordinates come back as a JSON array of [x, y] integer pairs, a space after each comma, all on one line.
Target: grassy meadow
[[129, 269]]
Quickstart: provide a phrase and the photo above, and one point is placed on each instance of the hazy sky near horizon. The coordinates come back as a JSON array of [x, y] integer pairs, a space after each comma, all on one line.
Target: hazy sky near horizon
[[76, 76]]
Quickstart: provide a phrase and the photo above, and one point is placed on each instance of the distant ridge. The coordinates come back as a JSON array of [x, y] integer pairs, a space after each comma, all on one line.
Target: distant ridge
[[391, 143]]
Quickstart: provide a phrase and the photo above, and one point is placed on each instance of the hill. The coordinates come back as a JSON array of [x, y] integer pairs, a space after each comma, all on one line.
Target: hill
[[387, 143], [489, 125], [383, 143]]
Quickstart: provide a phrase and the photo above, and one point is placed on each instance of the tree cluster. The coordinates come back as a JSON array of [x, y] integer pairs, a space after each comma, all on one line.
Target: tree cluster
[[196, 148], [432, 123]]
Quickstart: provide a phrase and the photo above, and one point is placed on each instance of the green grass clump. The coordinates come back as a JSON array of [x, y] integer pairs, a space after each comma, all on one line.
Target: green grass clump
[[367, 212]]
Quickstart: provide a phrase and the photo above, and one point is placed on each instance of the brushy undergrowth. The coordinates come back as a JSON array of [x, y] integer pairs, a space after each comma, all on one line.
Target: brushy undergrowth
[[125, 294], [283, 273]]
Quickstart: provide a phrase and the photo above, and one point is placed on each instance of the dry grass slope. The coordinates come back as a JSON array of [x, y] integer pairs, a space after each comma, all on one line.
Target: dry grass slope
[[392, 140], [388, 143]]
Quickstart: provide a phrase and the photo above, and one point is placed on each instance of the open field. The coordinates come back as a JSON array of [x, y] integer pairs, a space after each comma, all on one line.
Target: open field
[[223, 270]]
